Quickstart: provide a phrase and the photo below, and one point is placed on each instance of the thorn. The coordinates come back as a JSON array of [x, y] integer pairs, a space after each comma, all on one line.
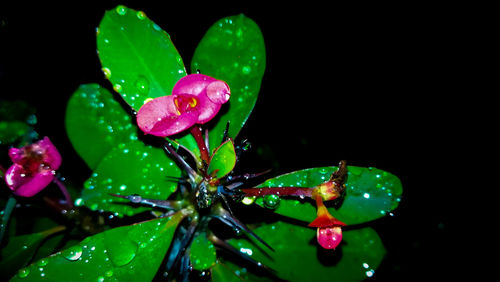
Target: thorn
[[232, 221]]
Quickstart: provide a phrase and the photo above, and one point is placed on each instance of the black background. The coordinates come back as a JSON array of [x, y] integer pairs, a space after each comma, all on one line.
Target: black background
[[363, 83]]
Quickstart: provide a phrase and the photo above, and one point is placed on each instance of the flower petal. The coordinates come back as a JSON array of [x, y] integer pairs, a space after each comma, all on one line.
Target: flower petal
[[51, 155], [197, 85], [193, 84], [25, 185], [207, 109], [218, 92], [329, 237], [160, 117], [16, 154]]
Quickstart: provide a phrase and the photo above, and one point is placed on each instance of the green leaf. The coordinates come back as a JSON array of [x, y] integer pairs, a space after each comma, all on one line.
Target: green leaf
[[132, 252], [96, 123], [20, 249], [233, 50], [130, 168], [202, 252], [297, 252], [10, 131], [223, 160], [227, 271], [371, 193], [137, 56]]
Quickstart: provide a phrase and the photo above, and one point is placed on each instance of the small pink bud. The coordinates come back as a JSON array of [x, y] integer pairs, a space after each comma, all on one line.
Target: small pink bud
[[329, 237]]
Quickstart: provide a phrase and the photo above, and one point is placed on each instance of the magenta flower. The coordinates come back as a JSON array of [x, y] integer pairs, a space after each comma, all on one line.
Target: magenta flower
[[195, 99], [33, 169]]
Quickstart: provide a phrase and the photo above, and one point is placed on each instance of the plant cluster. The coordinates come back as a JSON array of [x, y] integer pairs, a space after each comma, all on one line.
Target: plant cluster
[[163, 201]]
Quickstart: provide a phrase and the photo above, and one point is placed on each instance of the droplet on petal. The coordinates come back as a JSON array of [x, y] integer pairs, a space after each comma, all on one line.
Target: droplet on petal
[[329, 237], [218, 92]]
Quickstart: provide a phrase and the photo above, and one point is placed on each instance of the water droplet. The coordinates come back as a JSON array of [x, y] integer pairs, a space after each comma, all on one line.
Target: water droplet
[[156, 27], [121, 10], [123, 187], [271, 201], [109, 273], [118, 88], [23, 273], [73, 253], [122, 252], [42, 262], [248, 200], [370, 273], [246, 69], [107, 72], [141, 15], [366, 196], [142, 85]]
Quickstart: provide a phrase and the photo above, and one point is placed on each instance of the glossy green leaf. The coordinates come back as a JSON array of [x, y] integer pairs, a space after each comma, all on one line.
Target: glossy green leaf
[[137, 56], [297, 253], [20, 249], [130, 168], [371, 193], [132, 252], [223, 160], [202, 252], [233, 50], [96, 123]]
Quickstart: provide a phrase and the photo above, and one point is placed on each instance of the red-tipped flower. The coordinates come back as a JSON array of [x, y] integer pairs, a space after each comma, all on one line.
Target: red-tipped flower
[[329, 232], [33, 169], [195, 99]]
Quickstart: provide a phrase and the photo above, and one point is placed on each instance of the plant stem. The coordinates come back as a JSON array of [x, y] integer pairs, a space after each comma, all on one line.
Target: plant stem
[[65, 192], [200, 141], [279, 191], [11, 203]]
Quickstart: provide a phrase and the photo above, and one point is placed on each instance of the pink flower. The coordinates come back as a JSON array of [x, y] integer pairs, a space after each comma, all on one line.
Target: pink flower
[[33, 169], [195, 99], [329, 232]]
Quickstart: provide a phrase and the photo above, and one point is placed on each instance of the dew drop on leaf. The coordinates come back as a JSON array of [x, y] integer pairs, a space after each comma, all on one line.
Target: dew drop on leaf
[[23, 273], [141, 15], [142, 85], [107, 72], [122, 252], [42, 262], [121, 10], [73, 253], [248, 200], [271, 201], [118, 88]]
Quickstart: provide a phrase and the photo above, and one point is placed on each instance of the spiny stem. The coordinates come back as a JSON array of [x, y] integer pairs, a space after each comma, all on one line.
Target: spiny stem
[[65, 192], [200, 141], [9, 207], [279, 191], [180, 161], [167, 204]]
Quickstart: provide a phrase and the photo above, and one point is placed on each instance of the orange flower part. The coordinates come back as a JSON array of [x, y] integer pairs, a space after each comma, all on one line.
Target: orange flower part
[[333, 188], [324, 218], [329, 232]]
